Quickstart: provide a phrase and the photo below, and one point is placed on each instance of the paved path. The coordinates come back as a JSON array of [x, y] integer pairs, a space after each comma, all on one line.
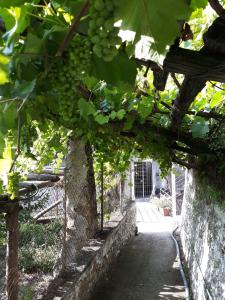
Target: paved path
[[147, 267]]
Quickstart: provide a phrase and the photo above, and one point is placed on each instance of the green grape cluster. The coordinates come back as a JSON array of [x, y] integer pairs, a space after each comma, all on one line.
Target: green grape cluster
[[12, 187], [65, 75], [27, 136], [102, 32]]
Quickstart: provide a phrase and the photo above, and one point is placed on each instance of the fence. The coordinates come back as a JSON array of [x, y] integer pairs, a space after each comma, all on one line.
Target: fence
[[35, 230]]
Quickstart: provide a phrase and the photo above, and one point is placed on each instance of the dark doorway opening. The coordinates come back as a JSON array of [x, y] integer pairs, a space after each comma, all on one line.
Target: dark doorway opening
[[142, 179]]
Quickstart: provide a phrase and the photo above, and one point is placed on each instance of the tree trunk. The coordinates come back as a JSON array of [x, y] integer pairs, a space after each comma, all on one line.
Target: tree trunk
[[80, 198]]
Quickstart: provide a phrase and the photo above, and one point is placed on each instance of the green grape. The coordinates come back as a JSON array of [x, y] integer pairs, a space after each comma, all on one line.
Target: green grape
[[108, 58], [102, 32], [12, 187], [66, 73], [100, 21], [109, 24], [99, 4]]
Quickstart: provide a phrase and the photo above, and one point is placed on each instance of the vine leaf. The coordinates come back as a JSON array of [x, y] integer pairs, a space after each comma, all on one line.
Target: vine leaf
[[24, 89], [20, 24], [199, 127], [33, 44], [100, 119], [4, 69], [129, 122], [120, 114], [86, 108], [198, 4], [217, 98], [156, 19], [119, 72], [7, 3]]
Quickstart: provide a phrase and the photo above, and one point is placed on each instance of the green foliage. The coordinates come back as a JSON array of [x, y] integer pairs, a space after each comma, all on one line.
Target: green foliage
[[199, 127], [4, 69], [119, 72], [39, 245], [156, 19], [198, 4], [26, 293], [12, 187]]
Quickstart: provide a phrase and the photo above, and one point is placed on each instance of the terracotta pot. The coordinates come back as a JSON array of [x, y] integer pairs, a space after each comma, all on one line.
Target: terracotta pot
[[166, 211]]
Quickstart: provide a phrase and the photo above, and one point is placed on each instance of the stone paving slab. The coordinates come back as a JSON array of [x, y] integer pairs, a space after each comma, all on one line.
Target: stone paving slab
[[147, 268]]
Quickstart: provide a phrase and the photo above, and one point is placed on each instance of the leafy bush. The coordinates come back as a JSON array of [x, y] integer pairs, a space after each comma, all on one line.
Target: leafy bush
[[26, 293], [39, 259], [39, 234], [39, 246]]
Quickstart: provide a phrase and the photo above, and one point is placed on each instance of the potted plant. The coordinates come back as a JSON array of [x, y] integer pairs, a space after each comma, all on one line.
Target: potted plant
[[164, 204]]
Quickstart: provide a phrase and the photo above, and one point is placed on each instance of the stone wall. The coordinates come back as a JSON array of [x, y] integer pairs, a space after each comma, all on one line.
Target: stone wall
[[203, 239], [95, 260]]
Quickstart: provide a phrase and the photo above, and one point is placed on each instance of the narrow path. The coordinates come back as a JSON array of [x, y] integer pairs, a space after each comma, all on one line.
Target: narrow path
[[146, 268]]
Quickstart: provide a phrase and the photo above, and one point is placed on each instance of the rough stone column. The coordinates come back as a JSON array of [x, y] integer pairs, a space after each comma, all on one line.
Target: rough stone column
[[80, 197]]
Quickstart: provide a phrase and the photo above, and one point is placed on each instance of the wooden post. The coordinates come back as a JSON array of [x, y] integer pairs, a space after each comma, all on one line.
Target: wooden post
[[102, 195], [12, 273], [174, 201]]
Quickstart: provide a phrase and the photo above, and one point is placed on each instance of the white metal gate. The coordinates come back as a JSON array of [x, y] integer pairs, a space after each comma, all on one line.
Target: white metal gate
[[142, 179]]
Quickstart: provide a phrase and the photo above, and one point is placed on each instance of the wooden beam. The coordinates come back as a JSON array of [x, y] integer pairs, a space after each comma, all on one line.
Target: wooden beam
[[196, 64], [50, 207], [43, 177]]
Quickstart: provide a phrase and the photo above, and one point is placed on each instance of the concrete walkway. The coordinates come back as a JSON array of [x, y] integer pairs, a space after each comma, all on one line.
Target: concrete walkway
[[147, 267]]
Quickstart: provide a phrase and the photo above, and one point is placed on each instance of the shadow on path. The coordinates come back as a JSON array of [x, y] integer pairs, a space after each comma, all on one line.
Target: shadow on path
[[146, 268]]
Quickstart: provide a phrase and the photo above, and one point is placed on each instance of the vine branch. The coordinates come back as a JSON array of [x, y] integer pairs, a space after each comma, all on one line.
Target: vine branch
[[72, 30], [18, 144], [215, 4]]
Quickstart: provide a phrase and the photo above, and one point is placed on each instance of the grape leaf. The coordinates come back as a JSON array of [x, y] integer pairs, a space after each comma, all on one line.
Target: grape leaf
[[121, 71], [33, 44], [100, 119], [4, 69], [86, 108], [145, 107], [157, 19], [113, 115], [120, 114], [129, 122], [9, 3], [24, 89], [8, 117], [199, 127], [9, 20], [217, 98], [21, 22], [198, 4]]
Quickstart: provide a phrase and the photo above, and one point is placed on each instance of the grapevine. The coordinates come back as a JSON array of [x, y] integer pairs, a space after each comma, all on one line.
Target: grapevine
[[66, 74], [102, 32], [12, 187], [28, 136]]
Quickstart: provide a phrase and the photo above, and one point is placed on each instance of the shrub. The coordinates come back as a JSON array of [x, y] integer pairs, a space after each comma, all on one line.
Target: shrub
[[39, 246]]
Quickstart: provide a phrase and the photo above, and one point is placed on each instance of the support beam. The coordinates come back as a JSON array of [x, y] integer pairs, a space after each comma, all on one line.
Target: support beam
[[196, 64]]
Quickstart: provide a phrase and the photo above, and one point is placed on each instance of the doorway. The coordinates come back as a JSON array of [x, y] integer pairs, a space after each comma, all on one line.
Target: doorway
[[142, 179]]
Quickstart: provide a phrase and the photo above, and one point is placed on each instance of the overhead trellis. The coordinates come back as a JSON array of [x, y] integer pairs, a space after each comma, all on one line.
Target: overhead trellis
[[103, 92]]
